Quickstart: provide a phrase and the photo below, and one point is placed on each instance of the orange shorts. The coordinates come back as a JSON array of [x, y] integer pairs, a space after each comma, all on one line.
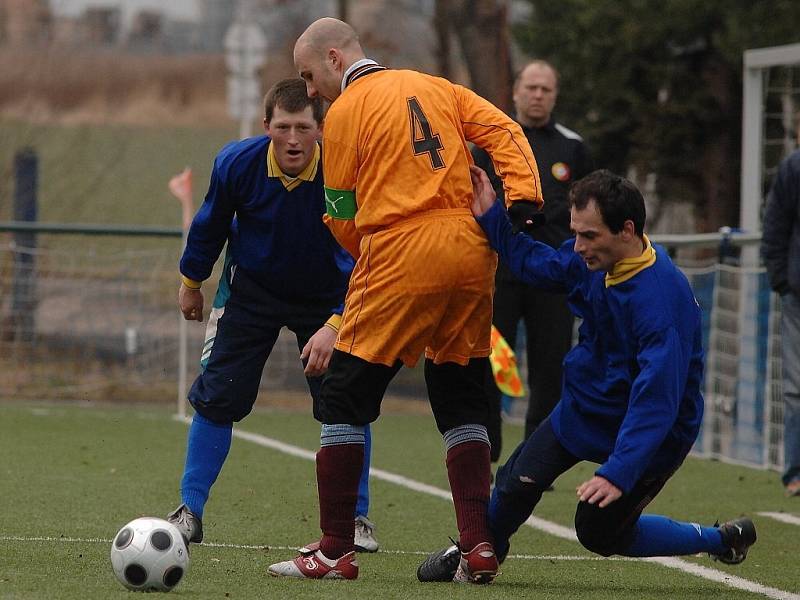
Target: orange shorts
[[424, 284]]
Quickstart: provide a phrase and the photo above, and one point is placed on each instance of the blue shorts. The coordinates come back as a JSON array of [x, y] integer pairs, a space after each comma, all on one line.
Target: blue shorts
[[244, 324], [540, 459]]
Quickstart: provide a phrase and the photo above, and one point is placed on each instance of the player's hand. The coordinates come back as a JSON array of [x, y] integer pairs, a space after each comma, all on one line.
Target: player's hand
[[598, 490], [483, 195], [190, 301], [317, 352]]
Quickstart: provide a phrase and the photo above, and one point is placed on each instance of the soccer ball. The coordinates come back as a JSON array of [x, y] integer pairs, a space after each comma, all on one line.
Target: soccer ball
[[149, 554]]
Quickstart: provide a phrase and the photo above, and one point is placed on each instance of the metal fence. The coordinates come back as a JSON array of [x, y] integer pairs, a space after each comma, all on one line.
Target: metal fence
[[89, 313]]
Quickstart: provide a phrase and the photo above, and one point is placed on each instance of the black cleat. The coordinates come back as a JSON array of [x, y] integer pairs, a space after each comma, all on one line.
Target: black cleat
[[441, 565], [738, 535], [188, 523]]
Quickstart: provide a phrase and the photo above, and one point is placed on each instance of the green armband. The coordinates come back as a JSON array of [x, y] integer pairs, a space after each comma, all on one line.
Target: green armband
[[340, 204]]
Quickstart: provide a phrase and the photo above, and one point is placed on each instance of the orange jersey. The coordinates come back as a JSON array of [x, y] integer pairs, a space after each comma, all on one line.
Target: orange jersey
[[397, 185], [398, 141]]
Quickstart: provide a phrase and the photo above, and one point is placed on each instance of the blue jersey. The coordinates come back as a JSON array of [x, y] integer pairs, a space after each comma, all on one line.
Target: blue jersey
[[631, 397], [276, 235]]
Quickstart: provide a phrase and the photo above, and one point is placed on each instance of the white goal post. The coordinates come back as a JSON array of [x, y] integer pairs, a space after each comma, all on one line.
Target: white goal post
[[756, 87], [771, 100]]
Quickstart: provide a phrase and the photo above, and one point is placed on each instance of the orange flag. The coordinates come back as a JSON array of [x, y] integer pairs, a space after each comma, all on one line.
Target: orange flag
[[181, 188], [504, 366]]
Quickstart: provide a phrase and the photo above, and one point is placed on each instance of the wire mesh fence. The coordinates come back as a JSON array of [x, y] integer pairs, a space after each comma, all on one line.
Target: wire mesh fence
[[87, 319]]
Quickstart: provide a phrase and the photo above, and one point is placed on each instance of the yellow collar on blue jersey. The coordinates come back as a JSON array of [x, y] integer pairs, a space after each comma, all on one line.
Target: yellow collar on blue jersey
[[289, 182], [628, 267]]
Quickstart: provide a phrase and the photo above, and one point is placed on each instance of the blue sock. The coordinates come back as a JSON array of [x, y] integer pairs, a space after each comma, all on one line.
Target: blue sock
[[362, 504], [661, 536], [206, 451]]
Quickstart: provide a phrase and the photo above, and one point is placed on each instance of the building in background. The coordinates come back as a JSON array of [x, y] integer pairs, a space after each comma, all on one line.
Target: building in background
[[25, 22]]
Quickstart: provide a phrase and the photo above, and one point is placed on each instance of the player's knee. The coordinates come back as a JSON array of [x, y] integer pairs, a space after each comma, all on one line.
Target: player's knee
[[340, 412], [220, 414], [513, 483], [221, 404], [596, 532], [457, 393]]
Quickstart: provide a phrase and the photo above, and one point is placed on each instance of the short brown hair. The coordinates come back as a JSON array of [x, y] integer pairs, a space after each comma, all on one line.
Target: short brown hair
[[617, 199], [290, 94]]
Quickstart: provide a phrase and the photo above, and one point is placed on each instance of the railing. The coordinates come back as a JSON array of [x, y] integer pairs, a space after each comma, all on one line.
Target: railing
[[93, 319]]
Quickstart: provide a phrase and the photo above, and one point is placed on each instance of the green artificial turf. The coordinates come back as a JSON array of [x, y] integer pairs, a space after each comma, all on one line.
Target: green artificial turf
[[72, 475]]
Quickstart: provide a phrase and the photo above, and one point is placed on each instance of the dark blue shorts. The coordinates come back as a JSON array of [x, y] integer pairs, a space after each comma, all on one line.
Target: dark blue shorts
[[540, 459], [244, 325]]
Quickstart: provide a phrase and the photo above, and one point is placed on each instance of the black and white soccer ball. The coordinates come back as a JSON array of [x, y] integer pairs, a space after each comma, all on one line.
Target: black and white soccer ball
[[149, 554]]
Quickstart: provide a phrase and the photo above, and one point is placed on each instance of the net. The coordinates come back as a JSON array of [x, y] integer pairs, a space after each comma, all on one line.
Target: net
[[83, 319], [89, 320]]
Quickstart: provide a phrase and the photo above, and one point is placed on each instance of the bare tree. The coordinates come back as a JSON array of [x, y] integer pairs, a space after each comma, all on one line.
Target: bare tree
[[441, 24], [481, 27]]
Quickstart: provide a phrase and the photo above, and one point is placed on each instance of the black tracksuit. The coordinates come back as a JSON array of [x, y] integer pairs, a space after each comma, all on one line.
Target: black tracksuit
[[562, 158]]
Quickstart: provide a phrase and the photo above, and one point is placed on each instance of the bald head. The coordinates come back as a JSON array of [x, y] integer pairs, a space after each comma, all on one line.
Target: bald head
[[323, 53], [535, 93], [327, 33]]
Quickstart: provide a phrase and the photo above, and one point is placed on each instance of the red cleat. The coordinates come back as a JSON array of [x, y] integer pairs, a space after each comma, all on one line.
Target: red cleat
[[313, 564], [479, 565]]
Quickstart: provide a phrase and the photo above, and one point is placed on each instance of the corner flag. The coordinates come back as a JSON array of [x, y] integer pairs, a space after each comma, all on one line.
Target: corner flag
[[181, 188], [504, 366]]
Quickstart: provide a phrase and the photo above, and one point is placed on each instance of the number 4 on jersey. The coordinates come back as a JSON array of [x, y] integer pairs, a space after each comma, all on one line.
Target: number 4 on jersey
[[423, 140]]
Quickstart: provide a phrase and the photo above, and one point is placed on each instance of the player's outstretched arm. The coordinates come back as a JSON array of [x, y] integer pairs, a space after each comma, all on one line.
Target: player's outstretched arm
[[317, 352], [190, 301], [491, 129]]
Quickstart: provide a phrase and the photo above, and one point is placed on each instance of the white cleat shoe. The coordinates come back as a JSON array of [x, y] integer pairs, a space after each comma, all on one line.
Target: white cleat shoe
[[364, 539]]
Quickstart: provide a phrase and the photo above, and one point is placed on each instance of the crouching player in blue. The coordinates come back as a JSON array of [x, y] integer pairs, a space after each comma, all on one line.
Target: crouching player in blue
[[283, 268], [630, 398]]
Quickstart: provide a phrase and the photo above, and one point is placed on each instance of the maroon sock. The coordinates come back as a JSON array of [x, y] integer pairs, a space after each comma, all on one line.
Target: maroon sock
[[338, 472], [469, 469]]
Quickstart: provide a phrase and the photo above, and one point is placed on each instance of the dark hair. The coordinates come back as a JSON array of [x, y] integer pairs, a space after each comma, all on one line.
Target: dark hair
[[290, 94], [617, 199]]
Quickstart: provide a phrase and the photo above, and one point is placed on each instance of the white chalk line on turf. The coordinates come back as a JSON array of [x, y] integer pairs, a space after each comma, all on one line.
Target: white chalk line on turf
[[782, 517], [551, 557], [537, 523]]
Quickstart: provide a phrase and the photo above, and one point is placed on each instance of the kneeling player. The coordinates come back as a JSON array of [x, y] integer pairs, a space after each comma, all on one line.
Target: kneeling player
[[631, 398]]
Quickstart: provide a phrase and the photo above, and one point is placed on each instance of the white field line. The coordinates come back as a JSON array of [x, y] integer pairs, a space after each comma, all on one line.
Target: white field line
[[723, 577], [782, 517], [541, 524], [71, 540]]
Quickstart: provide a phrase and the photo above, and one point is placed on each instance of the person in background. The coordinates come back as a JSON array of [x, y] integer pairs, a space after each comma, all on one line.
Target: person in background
[[780, 247], [283, 268], [563, 158]]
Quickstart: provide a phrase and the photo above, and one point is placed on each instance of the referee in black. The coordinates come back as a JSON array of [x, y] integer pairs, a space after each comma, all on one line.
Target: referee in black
[[562, 157]]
